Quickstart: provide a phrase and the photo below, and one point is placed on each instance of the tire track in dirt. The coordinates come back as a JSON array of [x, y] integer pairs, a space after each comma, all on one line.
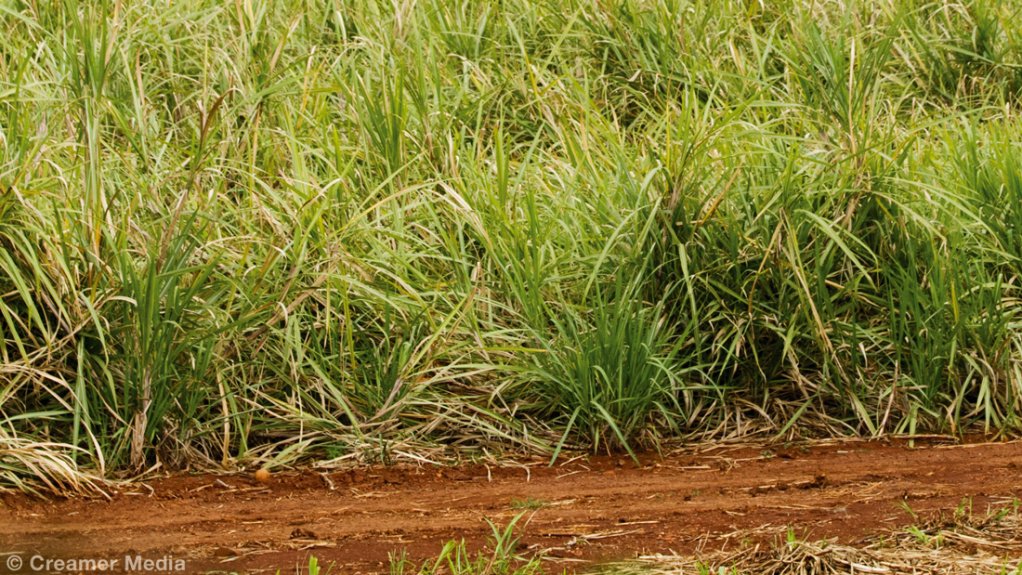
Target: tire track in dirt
[[581, 511]]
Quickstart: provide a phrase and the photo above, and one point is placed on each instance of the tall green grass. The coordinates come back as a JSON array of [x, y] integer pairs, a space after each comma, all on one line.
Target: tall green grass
[[258, 231]]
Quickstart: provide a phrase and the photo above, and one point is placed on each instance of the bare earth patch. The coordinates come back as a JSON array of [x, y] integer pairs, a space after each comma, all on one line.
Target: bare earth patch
[[579, 513]]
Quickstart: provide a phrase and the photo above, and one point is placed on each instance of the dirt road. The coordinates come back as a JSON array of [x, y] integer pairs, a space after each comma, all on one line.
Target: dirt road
[[579, 512]]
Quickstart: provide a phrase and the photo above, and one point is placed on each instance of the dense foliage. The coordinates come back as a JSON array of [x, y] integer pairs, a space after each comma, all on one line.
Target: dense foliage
[[255, 230]]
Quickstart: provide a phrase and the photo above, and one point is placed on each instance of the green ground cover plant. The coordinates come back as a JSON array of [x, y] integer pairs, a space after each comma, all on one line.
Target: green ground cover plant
[[253, 231]]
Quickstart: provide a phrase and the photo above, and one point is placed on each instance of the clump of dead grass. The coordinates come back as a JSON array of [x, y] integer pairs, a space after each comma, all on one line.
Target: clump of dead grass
[[961, 542], [41, 468]]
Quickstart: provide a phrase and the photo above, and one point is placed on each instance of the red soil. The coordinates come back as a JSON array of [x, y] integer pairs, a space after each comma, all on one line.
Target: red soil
[[578, 512]]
